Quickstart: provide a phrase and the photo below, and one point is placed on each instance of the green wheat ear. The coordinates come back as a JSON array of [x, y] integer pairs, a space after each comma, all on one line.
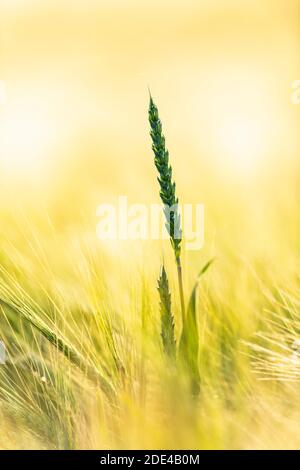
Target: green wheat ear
[[167, 319], [167, 192], [167, 186]]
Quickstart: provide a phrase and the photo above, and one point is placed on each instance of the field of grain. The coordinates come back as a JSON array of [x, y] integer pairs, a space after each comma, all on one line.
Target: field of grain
[[93, 358]]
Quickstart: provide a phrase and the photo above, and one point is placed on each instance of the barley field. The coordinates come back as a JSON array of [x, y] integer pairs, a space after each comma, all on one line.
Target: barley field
[[144, 344]]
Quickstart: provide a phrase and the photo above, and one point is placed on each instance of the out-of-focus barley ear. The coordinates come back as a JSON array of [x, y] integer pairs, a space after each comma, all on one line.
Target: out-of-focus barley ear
[[67, 350], [167, 319], [167, 191]]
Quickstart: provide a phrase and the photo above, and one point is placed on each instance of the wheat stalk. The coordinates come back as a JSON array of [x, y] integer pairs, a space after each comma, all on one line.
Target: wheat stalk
[[167, 192]]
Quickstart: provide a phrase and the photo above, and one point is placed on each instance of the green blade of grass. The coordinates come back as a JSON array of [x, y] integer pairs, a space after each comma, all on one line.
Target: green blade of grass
[[189, 341]]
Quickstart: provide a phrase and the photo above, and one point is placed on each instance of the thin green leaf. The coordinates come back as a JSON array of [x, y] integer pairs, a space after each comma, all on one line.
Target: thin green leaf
[[189, 341]]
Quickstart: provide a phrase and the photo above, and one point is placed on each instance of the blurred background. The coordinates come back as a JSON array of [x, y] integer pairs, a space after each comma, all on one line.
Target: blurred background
[[74, 119], [73, 115]]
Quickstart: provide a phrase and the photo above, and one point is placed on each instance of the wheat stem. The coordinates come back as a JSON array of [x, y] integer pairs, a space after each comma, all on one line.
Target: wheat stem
[[180, 283]]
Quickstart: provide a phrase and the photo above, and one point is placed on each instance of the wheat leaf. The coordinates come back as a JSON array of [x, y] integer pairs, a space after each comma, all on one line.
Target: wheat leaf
[[189, 341]]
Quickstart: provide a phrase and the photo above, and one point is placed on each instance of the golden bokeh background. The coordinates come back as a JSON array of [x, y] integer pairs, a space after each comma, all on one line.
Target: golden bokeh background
[[74, 130], [77, 73]]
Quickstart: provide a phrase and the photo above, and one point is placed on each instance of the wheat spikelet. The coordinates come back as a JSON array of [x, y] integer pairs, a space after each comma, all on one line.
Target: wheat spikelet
[[167, 320]]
